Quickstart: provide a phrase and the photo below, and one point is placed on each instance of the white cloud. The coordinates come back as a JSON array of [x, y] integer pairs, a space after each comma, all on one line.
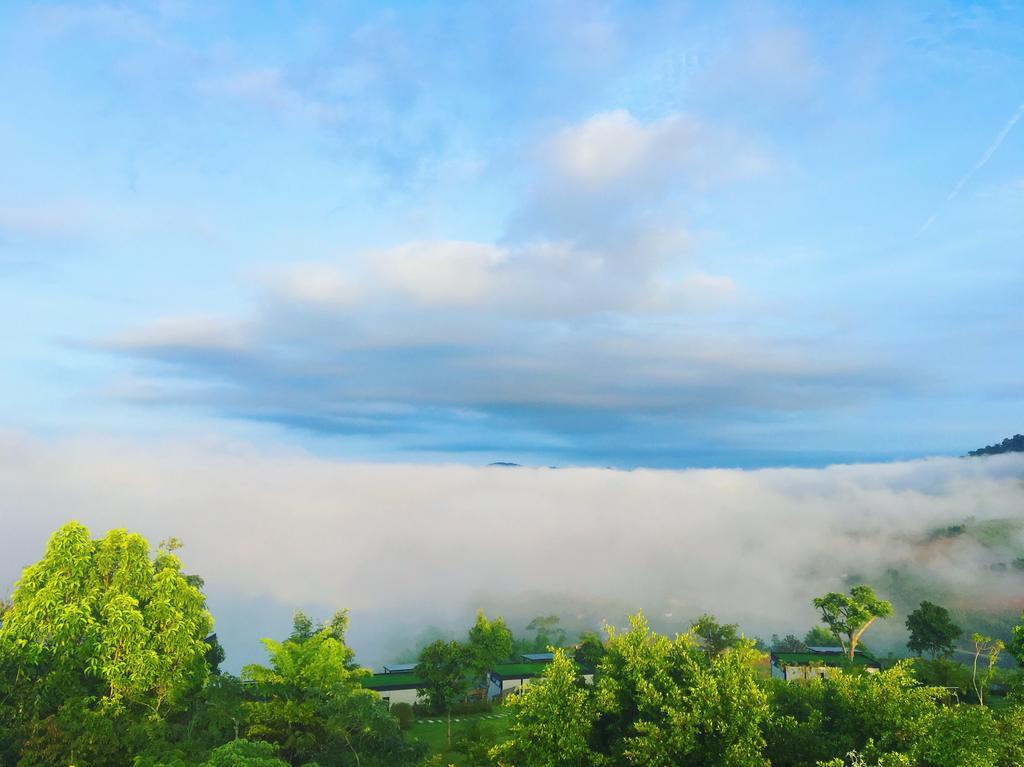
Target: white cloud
[[315, 283], [613, 150], [447, 273], [186, 332]]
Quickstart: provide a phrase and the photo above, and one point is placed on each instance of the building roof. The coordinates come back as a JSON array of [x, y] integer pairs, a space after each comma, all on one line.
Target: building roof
[[399, 668], [821, 659], [538, 657], [518, 670], [397, 681]]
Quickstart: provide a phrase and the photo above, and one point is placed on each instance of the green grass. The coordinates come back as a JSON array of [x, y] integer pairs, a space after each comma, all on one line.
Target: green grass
[[995, 533], [434, 733], [507, 670]]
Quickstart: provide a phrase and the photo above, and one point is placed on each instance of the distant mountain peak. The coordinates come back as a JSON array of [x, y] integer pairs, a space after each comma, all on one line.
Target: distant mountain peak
[[1014, 444]]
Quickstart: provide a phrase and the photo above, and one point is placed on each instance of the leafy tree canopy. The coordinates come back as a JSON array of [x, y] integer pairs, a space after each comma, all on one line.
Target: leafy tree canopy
[[107, 611], [443, 668], [932, 630], [820, 636], [489, 642], [849, 616], [310, 703], [788, 643], [715, 637]]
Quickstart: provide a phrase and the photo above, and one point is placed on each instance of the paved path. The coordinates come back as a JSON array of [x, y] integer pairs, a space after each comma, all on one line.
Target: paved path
[[463, 719]]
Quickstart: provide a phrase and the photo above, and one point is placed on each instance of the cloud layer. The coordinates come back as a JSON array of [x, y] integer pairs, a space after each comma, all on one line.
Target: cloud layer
[[590, 315], [409, 546]]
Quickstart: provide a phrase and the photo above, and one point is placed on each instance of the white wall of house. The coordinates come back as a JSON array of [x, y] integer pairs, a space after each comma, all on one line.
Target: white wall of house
[[398, 696], [806, 673]]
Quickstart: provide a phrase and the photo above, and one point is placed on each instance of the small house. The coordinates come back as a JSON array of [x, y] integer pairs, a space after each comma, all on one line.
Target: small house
[[818, 662], [397, 684]]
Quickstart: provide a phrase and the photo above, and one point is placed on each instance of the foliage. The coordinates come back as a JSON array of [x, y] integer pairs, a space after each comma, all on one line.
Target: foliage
[[961, 736], [932, 630], [589, 651], [820, 636], [475, 742], [1012, 444], [991, 649], [850, 616], [244, 753], [489, 643], [655, 701], [548, 632], [107, 641], [945, 673], [788, 643], [1016, 644], [403, 713], [871, 714], [311, 704], [442, 667], [553, 721], [715, 637]]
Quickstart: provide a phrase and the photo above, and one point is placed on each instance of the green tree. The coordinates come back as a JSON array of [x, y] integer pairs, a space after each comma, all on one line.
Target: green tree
[[310, 702], [665, 701], [444, 668], [715, 637], [552, 722], [788, 643], [932, 630], [819, 636], [848, 617], [489, 642], [589, 651], [107, 639], [961, 736], [548, 632], [991, 649], [1016, 645], [244, 753], [873, 714]]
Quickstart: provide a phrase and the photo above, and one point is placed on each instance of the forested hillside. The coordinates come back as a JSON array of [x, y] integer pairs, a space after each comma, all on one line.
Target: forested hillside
[[1014, 444]]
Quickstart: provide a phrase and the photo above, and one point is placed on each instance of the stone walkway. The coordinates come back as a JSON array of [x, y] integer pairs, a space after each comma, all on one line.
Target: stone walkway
[[462, 719]]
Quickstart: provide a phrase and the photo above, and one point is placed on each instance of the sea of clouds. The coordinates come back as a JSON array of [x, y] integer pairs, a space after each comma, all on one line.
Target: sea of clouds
[[407, 547]]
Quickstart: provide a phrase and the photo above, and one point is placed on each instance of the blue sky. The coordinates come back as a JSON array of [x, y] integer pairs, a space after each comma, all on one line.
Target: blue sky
[[651, 234]]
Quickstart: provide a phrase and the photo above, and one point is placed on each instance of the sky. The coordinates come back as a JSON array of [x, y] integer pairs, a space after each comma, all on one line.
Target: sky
[[574, 234], [281, 281]]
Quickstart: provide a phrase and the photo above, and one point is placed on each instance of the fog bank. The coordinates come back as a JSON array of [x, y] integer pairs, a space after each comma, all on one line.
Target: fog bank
[[407, 546]]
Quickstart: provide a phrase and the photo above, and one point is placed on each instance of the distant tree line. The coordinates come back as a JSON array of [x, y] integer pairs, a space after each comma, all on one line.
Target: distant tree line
[[1014, 444]]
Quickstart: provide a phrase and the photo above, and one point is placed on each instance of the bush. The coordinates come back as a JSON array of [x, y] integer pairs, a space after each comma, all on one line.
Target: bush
[[403, 713]]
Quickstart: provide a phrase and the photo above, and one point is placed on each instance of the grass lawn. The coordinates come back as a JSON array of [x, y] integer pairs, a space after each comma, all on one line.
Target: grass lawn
[[433, 732]]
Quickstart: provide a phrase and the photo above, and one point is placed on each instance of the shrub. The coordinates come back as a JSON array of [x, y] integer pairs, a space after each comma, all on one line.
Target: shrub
[[403, 713]]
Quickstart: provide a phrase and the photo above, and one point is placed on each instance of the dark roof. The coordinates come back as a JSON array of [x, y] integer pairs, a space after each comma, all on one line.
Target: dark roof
[[399, 668], [538, 657], [821, 659]]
